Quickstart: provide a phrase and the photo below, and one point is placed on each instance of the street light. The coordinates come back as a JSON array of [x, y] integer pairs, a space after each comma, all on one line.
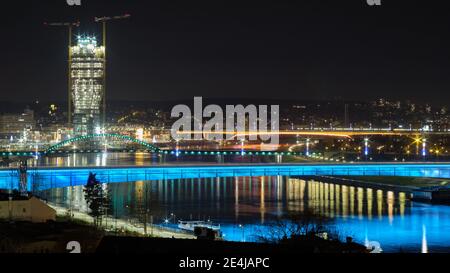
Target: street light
[[424, 146], [128, 214], [307, 146], [173, 216], [366, 147], [177, 148], [417, 142]]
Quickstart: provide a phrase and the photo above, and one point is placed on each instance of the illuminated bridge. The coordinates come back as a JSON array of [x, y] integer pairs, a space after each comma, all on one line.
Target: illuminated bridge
[[327, 132], [63, 147], [46, 178]]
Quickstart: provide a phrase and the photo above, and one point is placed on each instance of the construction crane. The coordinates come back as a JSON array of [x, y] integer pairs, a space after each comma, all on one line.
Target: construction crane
[[69, 26], [104, 20]]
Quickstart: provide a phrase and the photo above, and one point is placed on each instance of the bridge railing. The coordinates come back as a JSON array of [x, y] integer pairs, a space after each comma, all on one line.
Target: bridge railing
[[59, 178]]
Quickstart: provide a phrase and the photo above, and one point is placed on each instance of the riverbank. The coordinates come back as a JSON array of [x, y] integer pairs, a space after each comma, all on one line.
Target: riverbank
[[183, 248], [50, 237], [114, 225]]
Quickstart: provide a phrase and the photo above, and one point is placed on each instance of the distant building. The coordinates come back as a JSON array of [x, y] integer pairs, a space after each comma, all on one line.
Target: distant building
[[16, 124], [87, 85], [32, 210]]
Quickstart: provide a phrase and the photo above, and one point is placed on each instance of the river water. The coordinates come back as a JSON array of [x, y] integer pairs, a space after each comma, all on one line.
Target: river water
[[246, 206]]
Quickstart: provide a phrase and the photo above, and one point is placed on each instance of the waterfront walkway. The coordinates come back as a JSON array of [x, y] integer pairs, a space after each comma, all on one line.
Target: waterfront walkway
[[113, 224]]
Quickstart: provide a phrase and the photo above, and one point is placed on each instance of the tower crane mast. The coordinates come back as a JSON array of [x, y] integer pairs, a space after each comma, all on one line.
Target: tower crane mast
[[104, 20], [70, 26]]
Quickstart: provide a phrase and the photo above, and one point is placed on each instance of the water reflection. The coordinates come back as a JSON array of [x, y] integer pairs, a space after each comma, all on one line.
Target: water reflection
[[137, 159], [256, 201], [424, 239]]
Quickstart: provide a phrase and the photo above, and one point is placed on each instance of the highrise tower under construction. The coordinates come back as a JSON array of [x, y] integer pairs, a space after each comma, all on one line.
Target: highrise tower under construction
[[87, 92]]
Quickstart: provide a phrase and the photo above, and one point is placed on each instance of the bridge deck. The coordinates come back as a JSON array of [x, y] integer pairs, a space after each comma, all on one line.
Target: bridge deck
[[45, 178]]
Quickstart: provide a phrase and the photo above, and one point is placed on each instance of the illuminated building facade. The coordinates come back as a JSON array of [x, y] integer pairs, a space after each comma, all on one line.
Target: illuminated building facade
[[87, 84], [17, 124]]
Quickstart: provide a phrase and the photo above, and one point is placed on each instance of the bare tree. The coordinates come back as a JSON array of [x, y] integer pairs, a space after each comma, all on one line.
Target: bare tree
[[306, 225]]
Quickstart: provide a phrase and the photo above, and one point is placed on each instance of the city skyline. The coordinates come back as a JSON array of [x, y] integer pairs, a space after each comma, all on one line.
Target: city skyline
[[225, 130]]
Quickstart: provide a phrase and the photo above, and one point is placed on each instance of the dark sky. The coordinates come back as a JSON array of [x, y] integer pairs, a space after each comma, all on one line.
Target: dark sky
[[265, 49]]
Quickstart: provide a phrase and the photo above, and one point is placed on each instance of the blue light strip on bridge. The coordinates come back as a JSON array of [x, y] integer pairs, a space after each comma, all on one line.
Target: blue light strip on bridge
[[47, 178]]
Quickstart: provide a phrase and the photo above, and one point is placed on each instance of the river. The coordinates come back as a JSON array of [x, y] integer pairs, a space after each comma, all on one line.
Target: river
[[248, 206]]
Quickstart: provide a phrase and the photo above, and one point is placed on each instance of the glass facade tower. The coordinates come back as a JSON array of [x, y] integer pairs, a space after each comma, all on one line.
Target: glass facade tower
[[87, 90]]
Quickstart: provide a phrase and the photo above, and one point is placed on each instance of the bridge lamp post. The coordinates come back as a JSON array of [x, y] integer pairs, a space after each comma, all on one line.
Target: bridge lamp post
[[366, 147], [308, 141]]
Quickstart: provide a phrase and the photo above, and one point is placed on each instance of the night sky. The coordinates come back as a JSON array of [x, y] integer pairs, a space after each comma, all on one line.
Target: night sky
[[236, 49]]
